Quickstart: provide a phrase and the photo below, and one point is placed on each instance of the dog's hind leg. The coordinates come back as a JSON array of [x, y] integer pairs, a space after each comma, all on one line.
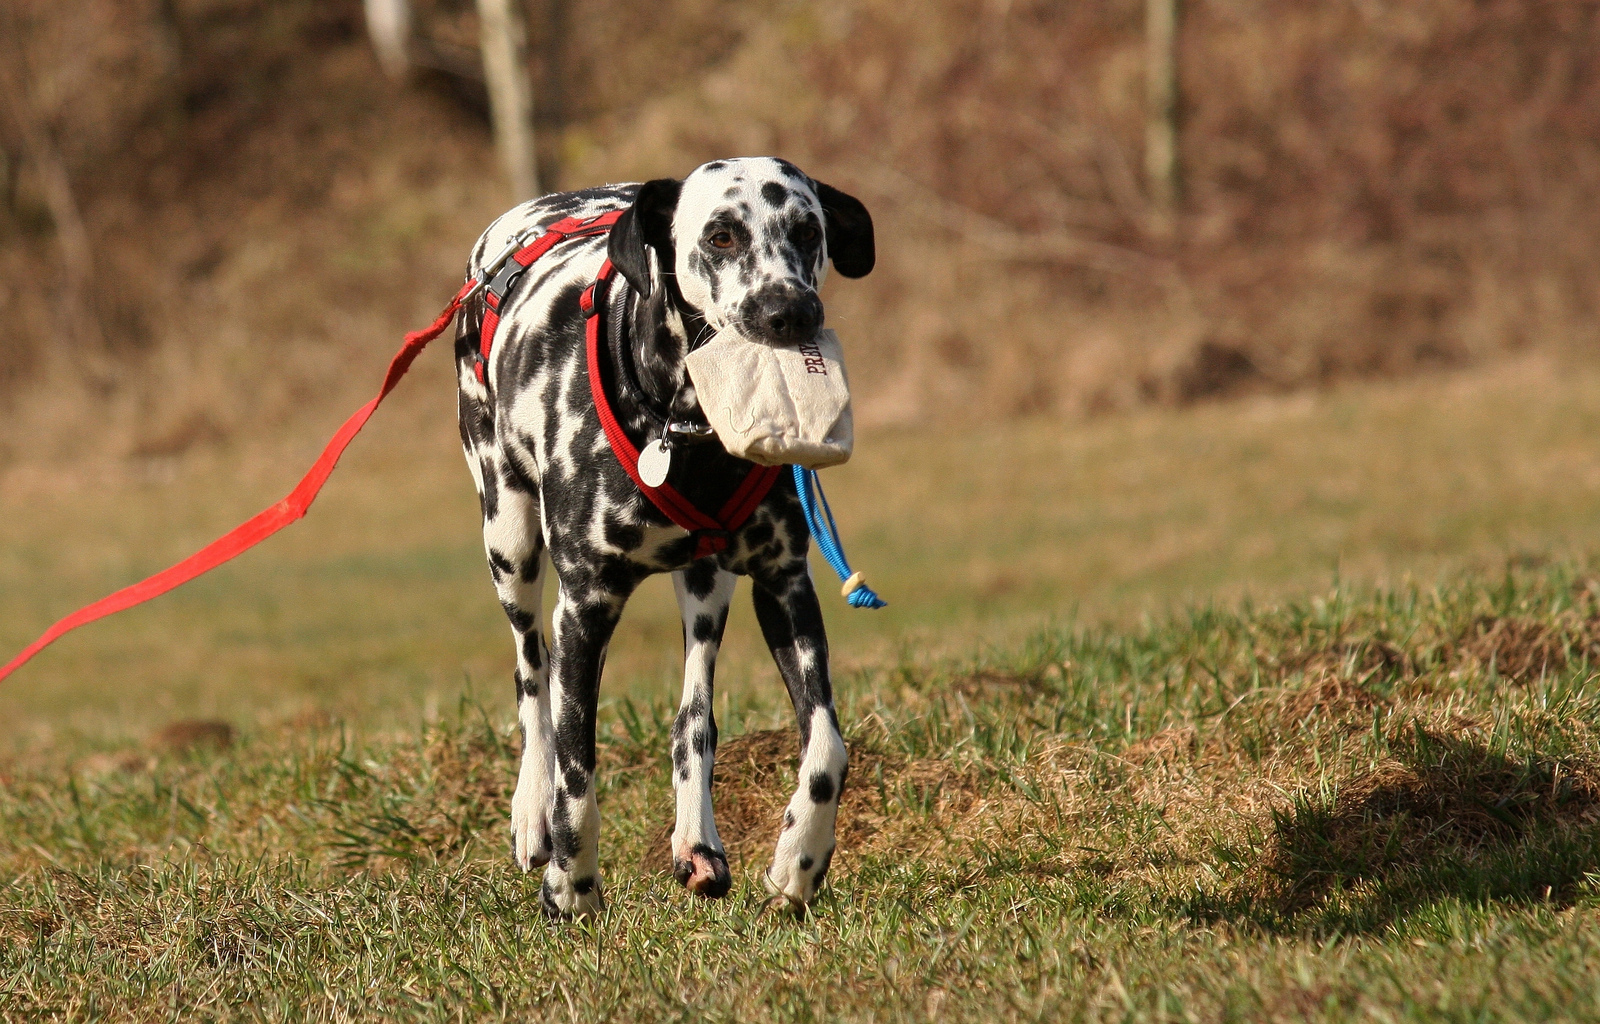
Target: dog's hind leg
[[584, 622], [517, 561], [791, 621], [698, 860]]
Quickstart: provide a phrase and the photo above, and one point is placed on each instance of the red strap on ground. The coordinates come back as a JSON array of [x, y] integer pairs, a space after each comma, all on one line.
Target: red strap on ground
[[712, 533], [258, 529]]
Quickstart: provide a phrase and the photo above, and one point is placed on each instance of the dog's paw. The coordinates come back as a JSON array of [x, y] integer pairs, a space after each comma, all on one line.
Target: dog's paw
[[797, 878], [530, 828], [703, 871], [564, 897]]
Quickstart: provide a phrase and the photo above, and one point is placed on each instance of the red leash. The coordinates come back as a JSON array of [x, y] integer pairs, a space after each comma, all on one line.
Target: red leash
[[258, 529], [497, 279]]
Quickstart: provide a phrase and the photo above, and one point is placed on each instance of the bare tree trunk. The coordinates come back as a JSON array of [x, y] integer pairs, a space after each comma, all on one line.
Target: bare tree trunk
[[1161, 112], [503, 35], [389, 26]]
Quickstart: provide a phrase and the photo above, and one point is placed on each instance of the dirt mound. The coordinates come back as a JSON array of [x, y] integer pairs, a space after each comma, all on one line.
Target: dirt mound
[[755, 777]]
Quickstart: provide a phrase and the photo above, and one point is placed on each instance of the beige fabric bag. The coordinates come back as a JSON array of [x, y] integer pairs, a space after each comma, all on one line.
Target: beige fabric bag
[[776, 405]]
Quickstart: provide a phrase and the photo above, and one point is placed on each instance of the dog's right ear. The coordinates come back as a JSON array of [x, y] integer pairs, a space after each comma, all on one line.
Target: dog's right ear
[[645, 224]]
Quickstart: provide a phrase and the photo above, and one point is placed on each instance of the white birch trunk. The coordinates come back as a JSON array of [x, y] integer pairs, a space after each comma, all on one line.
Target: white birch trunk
[[389, 26], [503, 35], [1161, 111]]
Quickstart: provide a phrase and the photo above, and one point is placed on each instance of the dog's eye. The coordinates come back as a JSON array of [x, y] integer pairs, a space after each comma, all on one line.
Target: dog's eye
[[722, 240], [808, 233]]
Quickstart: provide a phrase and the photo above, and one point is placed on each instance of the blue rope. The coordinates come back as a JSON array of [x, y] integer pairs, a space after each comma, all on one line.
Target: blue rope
[[819, 517]]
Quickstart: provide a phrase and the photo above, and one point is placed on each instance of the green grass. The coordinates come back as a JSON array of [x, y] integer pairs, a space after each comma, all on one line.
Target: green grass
[[1109, 762], [1369, 803], [377, 608]]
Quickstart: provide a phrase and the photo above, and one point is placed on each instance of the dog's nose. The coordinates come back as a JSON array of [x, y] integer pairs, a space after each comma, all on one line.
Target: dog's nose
[[795, 319], [784, 314]]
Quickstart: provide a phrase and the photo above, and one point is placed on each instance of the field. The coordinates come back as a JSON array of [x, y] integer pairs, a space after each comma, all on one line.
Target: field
[[1274, 709]]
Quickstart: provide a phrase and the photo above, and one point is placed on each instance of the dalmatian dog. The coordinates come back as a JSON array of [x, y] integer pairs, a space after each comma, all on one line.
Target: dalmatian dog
[[741, 242]]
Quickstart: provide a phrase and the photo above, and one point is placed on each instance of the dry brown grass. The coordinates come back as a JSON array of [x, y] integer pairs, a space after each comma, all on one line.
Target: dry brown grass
[[755, 778], [1404, 815]]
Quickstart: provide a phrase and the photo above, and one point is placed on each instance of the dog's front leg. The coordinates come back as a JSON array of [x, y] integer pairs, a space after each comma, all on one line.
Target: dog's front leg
[[698, 860], [517, 561], [791, 621], [520, 592], [584, 621]]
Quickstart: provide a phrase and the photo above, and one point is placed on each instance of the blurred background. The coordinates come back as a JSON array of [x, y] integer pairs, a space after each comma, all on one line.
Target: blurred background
[[1171, 305]]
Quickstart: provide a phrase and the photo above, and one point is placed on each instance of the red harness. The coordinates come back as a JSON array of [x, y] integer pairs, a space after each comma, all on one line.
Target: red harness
[[711, 533], [497, 288]]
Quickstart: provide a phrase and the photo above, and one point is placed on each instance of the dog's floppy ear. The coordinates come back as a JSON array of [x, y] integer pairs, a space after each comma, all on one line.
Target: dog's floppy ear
[[647, 223], [849, 232]]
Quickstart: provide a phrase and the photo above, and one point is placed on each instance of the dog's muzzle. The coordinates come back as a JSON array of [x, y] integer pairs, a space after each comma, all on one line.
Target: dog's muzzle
[[781, 314]]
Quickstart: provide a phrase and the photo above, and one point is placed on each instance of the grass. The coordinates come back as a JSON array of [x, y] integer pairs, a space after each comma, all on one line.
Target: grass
[[1367, 803], [377, 608], [1109, 762]]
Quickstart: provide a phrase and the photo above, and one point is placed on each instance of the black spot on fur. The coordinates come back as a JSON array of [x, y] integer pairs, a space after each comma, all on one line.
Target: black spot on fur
[[533, 651], [822, 872], [788, 820], [625, 537], [521, 621], [821, 788], [700, 579], [499, 564], [715, 165], [515, 479], [705, 628], [490, 495], [774, 193], [564, 838], [806, 862], [758, 534], [547, 901], [583, 886]]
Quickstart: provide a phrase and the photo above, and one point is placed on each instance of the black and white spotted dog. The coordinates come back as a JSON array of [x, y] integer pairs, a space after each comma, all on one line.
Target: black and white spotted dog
[[742, 242]]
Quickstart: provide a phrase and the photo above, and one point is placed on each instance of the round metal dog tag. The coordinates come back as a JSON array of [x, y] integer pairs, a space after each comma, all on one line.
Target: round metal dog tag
[[654, 462]]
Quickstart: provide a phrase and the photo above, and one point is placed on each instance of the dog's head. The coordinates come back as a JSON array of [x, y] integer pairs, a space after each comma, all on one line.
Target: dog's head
[[743, 243]]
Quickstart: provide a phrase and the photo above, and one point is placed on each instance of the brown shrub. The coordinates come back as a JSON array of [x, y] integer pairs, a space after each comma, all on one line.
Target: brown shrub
[[1367, 189]]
